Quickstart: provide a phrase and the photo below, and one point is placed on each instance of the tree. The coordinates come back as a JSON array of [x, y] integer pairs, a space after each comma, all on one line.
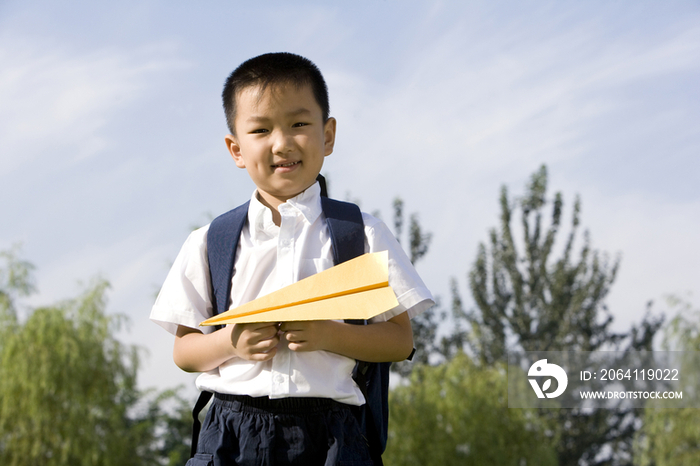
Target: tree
[[545, 304], [456, 414], [528, 300], [671, 436], [15, 282], [68, 390]]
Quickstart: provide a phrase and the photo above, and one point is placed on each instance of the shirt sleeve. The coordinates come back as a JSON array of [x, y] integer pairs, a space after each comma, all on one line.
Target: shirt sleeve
[[185, 298], [411, 293]]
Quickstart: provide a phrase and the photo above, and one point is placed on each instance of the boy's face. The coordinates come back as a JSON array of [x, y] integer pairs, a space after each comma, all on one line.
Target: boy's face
[[280, 139]]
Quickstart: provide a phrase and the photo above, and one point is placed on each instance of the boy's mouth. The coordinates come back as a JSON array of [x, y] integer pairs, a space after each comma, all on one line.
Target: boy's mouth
[[288, 164]]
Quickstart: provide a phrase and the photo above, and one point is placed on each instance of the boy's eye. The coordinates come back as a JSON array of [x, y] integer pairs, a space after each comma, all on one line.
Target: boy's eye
[[299, 124], [259, 131]]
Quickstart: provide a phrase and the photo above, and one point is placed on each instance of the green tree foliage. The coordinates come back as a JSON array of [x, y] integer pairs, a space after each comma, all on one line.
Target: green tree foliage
[[546, 303], [418, 240], [456, 414], [530, 298], [671, 437], [15, 282], [68, 392]]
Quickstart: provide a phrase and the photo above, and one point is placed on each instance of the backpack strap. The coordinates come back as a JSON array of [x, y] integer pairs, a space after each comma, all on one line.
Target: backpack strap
[[222, 243], [346, 229], [202, 401]]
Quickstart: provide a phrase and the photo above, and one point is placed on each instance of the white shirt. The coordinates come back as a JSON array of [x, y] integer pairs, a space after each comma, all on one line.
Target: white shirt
[[268, 258]]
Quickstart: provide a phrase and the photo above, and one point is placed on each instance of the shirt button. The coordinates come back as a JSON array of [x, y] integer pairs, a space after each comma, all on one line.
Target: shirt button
[[279, 379]]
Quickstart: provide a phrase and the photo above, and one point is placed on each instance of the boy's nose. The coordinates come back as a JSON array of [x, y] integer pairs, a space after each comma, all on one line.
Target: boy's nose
[[283, 142]]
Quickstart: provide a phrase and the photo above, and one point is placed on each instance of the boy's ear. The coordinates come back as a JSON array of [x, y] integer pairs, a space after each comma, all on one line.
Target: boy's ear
[[235, 150], [329, 136]]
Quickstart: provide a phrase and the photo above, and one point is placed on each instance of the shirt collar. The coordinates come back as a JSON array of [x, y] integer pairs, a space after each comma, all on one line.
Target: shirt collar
[[307, 203]]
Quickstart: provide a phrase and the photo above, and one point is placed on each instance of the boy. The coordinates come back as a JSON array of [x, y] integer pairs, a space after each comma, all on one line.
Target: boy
[[283, 391]]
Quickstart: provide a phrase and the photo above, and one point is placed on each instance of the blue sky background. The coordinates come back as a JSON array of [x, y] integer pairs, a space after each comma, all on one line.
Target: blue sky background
[[111, 131]]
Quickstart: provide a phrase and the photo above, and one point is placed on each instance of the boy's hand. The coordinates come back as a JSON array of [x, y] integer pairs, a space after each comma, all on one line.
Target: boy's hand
[[255, 342], [376, 342], [194, 351], [306, 335], [383, 341]]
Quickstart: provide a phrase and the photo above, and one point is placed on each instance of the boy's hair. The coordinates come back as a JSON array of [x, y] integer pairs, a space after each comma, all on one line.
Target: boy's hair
[[273, 69]]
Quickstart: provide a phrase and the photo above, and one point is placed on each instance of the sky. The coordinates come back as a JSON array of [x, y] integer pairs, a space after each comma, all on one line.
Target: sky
[[112, 133]]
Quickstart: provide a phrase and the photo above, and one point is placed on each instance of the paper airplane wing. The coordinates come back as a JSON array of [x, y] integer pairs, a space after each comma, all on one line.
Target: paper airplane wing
[[356, 289]]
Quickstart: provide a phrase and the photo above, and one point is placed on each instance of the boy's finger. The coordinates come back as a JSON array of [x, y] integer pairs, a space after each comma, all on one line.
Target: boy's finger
[[263, 326], [254, 326], [266, 332], [265, 345], [263, 356], [292, 326], [261, 345], [299, 346]]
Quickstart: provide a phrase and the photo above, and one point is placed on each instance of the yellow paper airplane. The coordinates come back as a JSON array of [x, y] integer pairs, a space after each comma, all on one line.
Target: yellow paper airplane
[[356, 289]]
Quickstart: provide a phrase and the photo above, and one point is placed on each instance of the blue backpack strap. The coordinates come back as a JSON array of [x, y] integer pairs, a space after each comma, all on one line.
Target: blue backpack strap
[[222, 242], [346, 229]]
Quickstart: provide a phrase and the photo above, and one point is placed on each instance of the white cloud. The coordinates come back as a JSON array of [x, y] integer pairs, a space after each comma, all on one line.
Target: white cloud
[[60, 100]]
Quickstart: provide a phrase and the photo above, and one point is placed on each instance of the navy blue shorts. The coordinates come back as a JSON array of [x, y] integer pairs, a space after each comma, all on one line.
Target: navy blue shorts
[[240, 430]]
